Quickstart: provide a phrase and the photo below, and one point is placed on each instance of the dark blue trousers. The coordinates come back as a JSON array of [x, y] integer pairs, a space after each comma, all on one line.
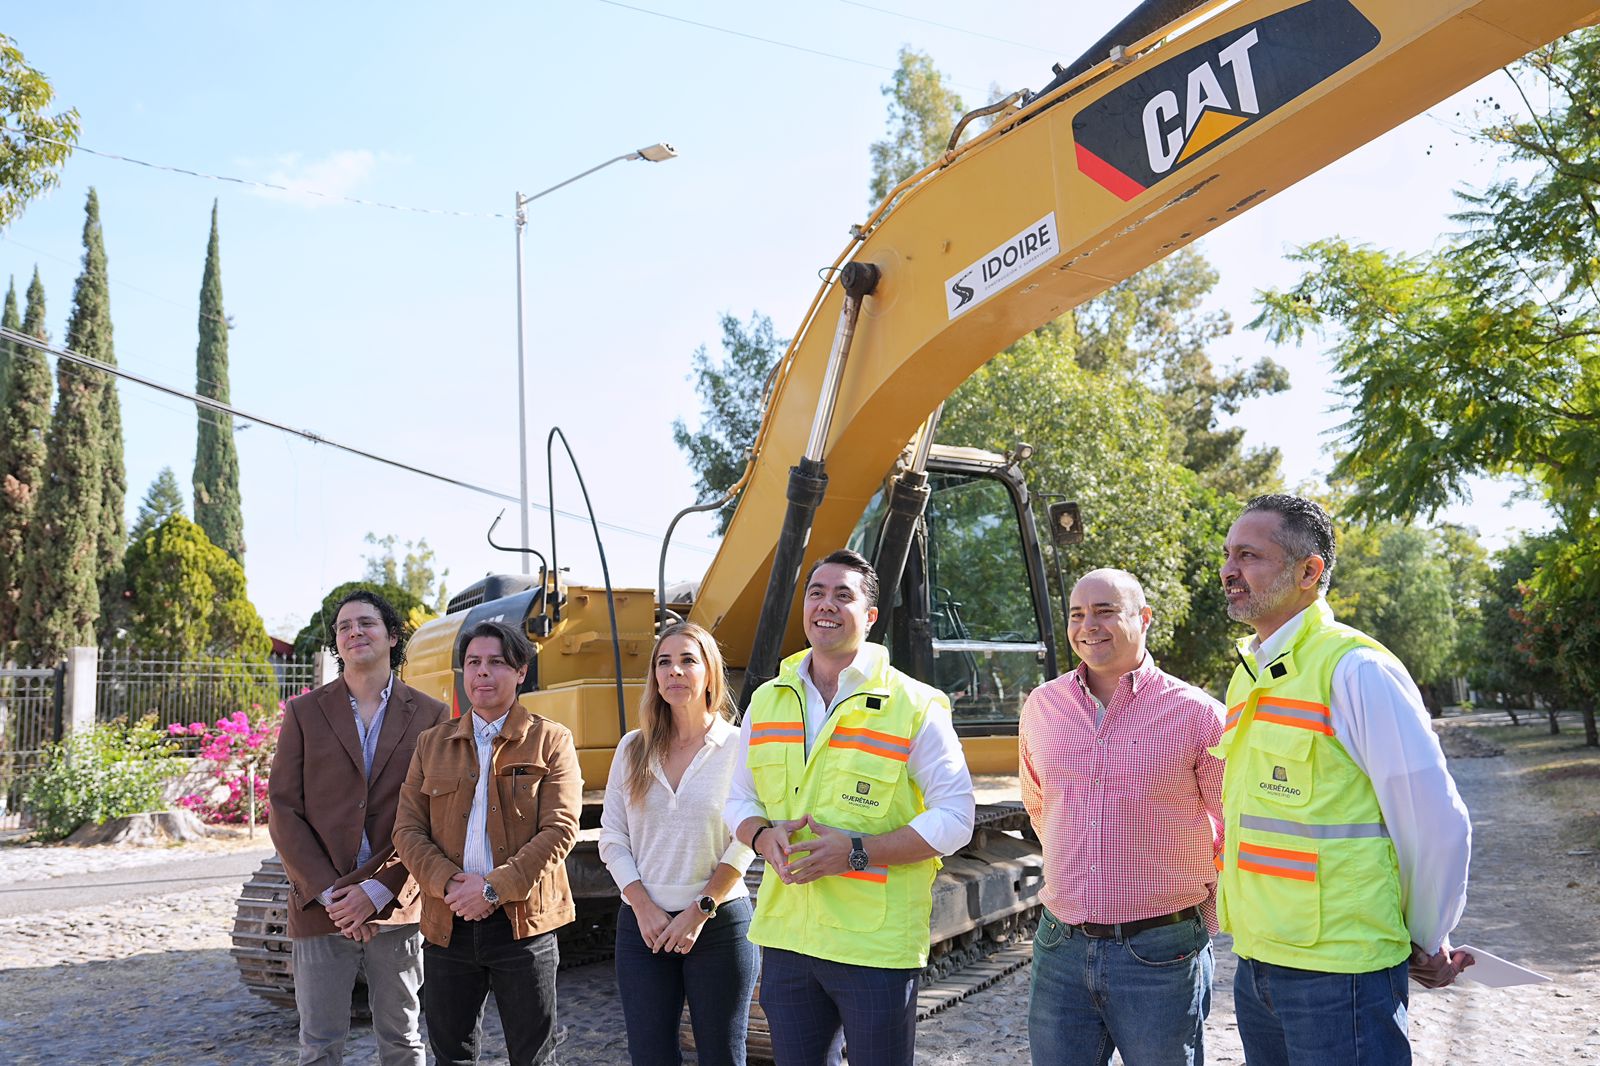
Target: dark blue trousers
[[717, 977], [810, 1003]]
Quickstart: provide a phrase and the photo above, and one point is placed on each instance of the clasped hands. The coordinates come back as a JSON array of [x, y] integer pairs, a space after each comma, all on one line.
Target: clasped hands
[[350, 908], [464, 897], [1440, 968], [666, 932], [801, 862]]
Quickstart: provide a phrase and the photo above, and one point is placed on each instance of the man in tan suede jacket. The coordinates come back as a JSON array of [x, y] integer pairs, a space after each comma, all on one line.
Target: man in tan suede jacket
[[487, 815]]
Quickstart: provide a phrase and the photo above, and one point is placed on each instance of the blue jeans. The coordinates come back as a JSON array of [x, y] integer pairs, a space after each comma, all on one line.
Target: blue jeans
[[717, 977], [1146, 996], [1331, 1019], [816, 1007]]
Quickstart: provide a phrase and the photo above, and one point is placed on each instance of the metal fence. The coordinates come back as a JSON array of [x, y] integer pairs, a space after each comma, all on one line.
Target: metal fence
[[183, 691], [32, 715]]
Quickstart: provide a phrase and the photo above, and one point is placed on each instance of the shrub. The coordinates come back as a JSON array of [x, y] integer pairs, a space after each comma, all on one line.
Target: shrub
[[229, 751], [109, 771]]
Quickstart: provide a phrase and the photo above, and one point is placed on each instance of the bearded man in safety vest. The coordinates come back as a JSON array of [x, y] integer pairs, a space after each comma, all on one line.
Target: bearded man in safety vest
[[1346, 841], [851, 786]]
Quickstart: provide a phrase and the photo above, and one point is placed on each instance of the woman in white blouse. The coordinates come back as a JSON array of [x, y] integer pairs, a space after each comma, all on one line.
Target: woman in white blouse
[[681, 932]]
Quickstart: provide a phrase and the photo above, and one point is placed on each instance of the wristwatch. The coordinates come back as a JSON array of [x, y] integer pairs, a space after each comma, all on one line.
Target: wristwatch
[[858, 855], [490, 895], [707, 905]]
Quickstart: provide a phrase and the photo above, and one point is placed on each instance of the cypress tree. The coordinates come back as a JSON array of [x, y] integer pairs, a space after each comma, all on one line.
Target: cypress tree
[[92, 314], [216, 457], [24, 420], [11, 320], [60, 591]]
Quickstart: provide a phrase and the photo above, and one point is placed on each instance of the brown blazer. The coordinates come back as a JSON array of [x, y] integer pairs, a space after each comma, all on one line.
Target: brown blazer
[[535, 799], [321, 800]]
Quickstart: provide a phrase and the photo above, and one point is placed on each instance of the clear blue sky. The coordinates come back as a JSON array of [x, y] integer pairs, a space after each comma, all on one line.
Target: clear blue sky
[[396, 331]]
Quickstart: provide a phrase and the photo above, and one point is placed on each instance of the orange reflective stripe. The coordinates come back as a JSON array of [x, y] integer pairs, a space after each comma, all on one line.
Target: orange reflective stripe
[[1233, 715], [876, 874], [1299, 705], [777, 733], [870, 740], [1278, 862], [1301, 714]]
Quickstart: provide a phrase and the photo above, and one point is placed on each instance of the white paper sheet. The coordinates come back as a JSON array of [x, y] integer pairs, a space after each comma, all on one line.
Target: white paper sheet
[[1491, 971]]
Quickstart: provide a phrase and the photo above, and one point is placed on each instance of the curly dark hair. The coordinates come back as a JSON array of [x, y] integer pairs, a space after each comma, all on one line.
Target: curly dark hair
[[1306, 531], [391, 622]]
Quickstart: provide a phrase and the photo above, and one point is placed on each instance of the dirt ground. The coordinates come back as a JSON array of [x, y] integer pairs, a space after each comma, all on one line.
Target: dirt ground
[[153, 981]]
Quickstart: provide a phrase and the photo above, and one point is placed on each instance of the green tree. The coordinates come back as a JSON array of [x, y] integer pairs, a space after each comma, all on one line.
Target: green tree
[[1127, 484], [162, 500], [11, 319], [1510, 668], [318, 632], [1482, 356], [1392, 582], [189, 599], [89, 333], [732, 399], [922, 112], [413, 572], [24, 421], [61, 592], [33, 144], [216, 456]]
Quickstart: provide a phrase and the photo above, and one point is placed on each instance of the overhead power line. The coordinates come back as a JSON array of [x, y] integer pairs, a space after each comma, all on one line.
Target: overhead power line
[[764, 40], [256, 184], [953, 29], [207, 403]]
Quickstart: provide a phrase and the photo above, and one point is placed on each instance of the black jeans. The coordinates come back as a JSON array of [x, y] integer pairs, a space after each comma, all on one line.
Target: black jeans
[[483, 956], [717, 976]]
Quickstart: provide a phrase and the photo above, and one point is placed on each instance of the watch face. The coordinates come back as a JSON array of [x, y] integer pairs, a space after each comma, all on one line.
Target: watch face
[[858, 860], [707, 905]]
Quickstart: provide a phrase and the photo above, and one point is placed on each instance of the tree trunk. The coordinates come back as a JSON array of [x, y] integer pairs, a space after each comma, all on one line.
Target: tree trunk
[[1555, 726], [1591, 735]]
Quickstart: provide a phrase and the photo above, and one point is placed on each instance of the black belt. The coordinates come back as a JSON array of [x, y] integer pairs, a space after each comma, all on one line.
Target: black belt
[[1123, 930]]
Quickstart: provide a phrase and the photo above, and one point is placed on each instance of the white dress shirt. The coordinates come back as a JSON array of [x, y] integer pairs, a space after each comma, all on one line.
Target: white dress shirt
[[476, 858], [937, 764], [1379, 717], [672, 840]]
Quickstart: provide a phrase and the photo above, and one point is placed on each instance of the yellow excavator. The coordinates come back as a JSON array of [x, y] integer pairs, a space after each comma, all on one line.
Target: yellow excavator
[[1184, 115]]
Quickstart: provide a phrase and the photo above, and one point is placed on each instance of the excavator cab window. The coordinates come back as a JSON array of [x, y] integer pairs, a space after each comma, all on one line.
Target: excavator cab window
[[986, 648]]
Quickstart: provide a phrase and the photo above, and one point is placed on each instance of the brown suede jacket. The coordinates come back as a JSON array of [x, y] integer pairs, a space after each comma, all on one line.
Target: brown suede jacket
[[535, 799]]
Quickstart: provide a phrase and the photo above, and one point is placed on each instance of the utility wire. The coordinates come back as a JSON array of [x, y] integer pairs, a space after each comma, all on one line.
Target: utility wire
[[253, 183], [764, 40], [954, 29], [207, 403]]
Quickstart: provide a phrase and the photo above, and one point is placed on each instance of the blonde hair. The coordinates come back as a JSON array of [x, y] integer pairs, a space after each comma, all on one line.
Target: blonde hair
[[655, 714]]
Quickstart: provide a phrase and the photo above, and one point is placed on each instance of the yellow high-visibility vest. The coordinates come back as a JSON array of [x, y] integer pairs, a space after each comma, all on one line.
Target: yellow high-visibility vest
[[856, 780], [1309, 875]]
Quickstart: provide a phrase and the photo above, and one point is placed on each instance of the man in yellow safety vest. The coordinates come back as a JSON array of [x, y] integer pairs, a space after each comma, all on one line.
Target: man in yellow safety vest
[[851, 785], [1347, 844]]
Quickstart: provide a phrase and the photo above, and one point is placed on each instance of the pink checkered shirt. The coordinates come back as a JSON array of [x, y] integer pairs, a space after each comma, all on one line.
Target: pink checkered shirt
[[1130, 813]]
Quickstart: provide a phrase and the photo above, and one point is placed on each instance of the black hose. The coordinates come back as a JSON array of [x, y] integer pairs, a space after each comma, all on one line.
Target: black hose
[[611, 600], [661, 569], [1141, 22], [808, 482]]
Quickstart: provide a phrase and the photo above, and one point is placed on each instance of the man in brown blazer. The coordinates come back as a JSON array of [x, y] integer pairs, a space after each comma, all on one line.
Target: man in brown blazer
[[487, 816], [342, 755]]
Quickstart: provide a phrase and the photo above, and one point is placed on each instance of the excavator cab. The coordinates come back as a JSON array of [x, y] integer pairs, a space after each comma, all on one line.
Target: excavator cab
[[971, 613]]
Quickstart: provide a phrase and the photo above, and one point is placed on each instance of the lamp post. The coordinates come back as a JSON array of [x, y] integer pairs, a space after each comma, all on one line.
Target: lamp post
[[655, 153]]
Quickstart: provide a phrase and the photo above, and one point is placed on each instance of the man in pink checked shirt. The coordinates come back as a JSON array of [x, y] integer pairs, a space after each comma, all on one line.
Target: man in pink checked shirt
[[1128, 804]]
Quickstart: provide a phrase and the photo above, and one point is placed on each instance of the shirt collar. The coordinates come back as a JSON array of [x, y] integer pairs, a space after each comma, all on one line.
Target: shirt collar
[[483, 731], [1273, 646], [1136, 677], [858, 668], [383, 697], [721, 729]]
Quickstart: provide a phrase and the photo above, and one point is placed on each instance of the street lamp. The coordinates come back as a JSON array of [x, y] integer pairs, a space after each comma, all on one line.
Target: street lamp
[[655, 153]]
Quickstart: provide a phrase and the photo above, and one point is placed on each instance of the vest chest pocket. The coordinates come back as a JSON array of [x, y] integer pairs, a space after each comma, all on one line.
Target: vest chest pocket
[[1277, 765], [861, 790], [769, 768]]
